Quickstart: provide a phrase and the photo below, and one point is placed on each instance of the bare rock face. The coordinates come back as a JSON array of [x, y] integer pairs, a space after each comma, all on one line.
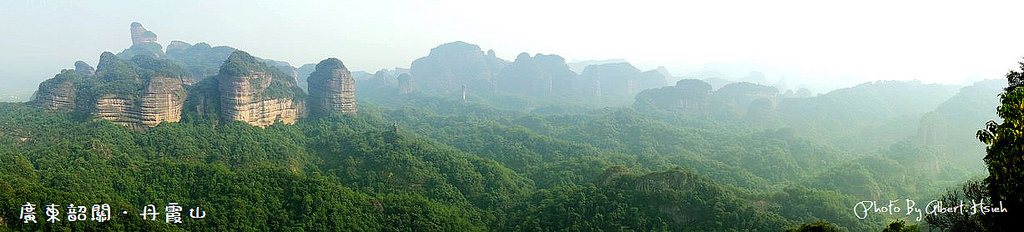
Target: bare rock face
[[162, 101], [651, 80], [451, 65], [57, 94], [143, 43], [404, 83], [138, 93], [383, 78], [141, 35], [331, 89], [240, 100], [177, 46], [251, 93], [540, 74], [84, 68], [614, 79], [120, 110]]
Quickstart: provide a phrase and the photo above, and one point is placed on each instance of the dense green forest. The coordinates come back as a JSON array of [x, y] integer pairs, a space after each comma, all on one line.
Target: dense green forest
[[675, 158], [427, 162]]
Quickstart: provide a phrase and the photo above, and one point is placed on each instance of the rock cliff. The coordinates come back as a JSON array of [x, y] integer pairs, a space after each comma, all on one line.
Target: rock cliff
[[539, 74], [143, 43], [162, 101], [650, 80], [614, 79], [404, 83], [58, 93], [84, 68], [119, 109], [451, 65], [140, 90], [256, 94], [141, 35], [331, 89], [138, 94]]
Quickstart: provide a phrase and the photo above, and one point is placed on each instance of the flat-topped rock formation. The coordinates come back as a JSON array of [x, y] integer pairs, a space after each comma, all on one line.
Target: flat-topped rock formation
[[331, 89], [451, 65], [254, 93]]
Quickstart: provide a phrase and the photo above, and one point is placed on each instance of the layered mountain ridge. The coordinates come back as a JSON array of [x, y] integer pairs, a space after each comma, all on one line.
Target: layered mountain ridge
[[140, 90]]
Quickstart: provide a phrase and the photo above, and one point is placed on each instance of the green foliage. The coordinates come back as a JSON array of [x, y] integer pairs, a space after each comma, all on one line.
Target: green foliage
[[202, 102], [201, 59], [240, 63], [1004, 158], [901, 226], [245, 178], [819, 226], [435, 163], [150, 49], [152, 67], [672, 200]]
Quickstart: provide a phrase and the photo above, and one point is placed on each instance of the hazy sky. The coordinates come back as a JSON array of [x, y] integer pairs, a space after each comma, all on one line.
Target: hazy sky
[[848, 42]]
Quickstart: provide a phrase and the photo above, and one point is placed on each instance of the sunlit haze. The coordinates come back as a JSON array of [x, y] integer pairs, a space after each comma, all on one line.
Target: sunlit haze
[[816, 43]]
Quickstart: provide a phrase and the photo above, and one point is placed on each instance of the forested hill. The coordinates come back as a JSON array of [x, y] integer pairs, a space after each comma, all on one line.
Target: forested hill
[[431, 162], [466, 141]]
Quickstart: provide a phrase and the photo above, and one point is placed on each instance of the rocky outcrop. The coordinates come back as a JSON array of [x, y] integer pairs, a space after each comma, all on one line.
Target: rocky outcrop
[[739, 96], [137, 94], [539, 74], [800, 93], [384, 78], [452, 65], [120, 110], [753, 102], [650, 80], [141, 91], [734, 101], [201, 59], [141, 35], [177, 45], [84, 68], [404, 83], [331, 89], [579, 66], [57, 94], [143, 43], [284, 67], [663, 71], [614, 79], [688, 96], [250, 92], [162, 101], [362, 75]]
